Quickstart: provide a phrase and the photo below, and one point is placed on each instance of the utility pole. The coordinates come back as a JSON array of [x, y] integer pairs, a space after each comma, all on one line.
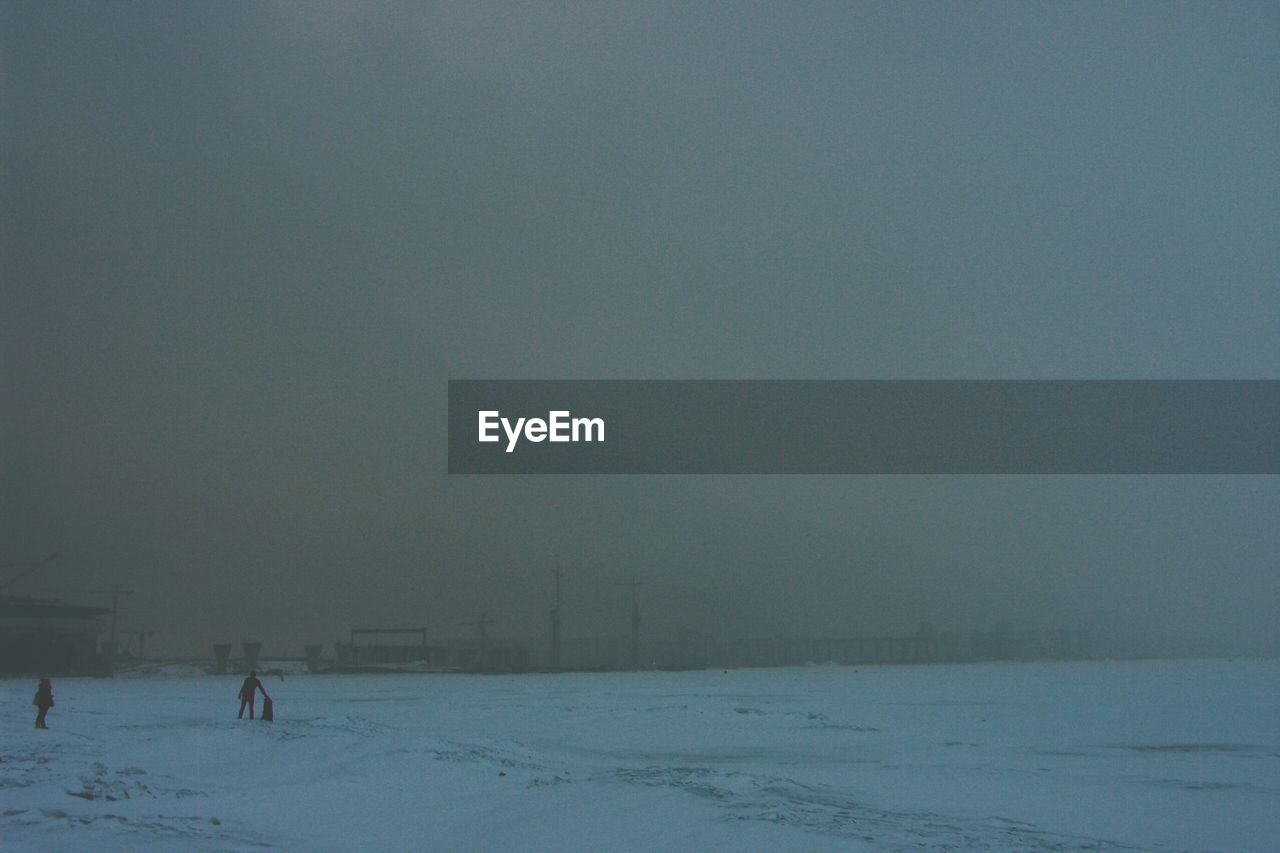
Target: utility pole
[[482, 635], [555, 624], [116, 592], [143, 633], [635, 625]]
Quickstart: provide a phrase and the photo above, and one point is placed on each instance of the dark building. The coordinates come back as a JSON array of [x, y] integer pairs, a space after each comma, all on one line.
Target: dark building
[[44, 637]]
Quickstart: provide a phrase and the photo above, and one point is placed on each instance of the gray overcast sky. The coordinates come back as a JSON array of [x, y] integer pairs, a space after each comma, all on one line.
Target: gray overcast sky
[[246, 245]]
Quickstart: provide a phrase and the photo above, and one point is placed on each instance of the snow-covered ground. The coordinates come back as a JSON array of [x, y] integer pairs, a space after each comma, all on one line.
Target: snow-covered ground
[[1146, 755]]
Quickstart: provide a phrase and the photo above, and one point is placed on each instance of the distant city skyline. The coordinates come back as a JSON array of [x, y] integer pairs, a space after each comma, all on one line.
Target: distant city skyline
[[246, 246]]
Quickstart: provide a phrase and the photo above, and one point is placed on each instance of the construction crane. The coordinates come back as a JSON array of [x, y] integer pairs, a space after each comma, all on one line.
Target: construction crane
[[27, 567], [482, 629]]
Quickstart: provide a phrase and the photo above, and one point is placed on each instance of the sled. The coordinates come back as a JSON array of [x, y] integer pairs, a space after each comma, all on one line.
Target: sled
[[268, 711]]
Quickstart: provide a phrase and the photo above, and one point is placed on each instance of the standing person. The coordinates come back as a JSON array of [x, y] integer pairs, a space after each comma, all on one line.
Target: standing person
[[43, 701], [247, 692]]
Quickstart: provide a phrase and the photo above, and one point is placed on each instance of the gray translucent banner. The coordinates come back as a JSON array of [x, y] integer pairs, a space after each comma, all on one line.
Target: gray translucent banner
[[864, 427]]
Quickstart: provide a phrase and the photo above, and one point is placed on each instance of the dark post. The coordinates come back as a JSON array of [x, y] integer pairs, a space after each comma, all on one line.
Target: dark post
[[116, 592], [635, 626], [555, 624]]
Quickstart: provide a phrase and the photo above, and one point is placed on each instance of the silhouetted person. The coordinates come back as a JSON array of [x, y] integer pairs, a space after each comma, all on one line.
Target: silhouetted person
[[248, 691], [43, 701]]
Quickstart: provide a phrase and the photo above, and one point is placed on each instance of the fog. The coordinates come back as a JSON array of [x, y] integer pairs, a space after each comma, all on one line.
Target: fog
[[244, 247]]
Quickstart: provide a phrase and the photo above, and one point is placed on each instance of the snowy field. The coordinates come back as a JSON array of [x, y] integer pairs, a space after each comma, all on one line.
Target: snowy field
[[1133, 755]]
